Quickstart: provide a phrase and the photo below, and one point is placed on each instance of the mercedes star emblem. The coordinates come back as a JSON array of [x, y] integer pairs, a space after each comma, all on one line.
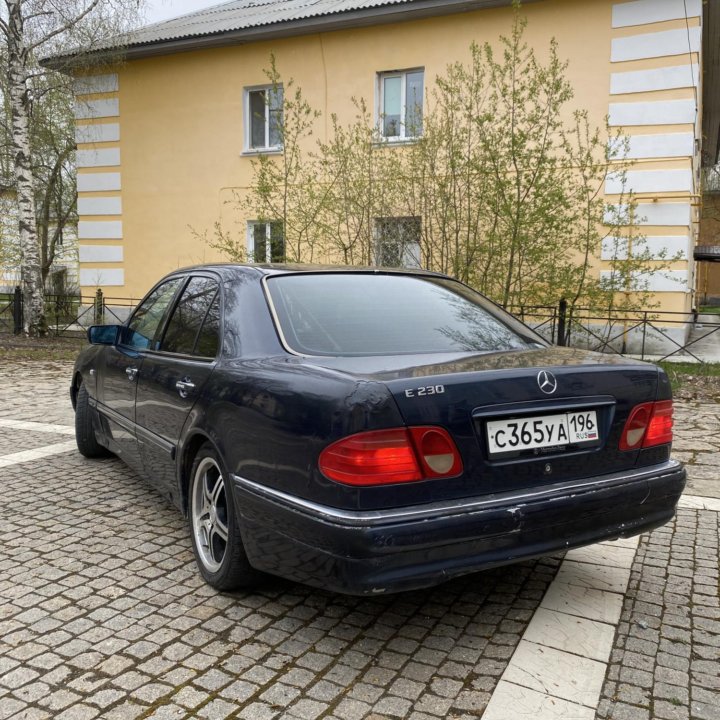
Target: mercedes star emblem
[[547, 382]]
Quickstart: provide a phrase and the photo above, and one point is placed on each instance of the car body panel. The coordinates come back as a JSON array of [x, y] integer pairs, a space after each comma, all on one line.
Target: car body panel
[[117, 376], [162, 410]]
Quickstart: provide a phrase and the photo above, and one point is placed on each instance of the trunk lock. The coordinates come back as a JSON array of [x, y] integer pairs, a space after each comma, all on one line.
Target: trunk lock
[[547, 469]]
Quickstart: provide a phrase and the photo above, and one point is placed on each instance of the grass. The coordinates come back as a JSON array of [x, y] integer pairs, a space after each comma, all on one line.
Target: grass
[[681, 372], [48, 349], [709, 310]]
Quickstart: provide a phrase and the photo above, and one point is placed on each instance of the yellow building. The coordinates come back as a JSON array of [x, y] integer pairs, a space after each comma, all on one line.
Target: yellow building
[[167, 136]]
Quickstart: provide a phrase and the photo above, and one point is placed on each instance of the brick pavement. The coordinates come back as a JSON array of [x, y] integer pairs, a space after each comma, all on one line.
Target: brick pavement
[[102, 613], [665, 664]]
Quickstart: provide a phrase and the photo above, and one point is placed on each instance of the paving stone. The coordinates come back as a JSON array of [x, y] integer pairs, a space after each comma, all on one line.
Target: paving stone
[[659, 650], [670, 711], [110, 619]]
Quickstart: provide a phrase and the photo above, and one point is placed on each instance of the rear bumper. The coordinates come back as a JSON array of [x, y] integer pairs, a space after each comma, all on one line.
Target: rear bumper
[[369, 552]]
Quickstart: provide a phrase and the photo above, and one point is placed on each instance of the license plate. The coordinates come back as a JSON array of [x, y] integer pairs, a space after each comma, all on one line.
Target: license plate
[[542, 431]]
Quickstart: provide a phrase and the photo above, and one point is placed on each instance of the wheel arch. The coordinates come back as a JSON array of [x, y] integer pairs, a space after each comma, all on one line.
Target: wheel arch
[[189, 451], [74, 387]]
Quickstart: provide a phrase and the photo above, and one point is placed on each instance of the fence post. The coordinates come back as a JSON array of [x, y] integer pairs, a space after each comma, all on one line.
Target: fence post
[[645, 322], [99, 307], [17, 311], [562, 315]]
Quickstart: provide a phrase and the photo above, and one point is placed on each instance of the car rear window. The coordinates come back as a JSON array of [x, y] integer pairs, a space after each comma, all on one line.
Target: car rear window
[[385, 314]]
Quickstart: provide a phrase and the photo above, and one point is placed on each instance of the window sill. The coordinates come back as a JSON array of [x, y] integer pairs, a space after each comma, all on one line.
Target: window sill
[[254, 152], [394, 142]]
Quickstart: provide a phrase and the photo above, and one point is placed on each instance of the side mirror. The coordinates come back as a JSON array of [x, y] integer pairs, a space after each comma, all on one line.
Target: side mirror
[[103, 334]]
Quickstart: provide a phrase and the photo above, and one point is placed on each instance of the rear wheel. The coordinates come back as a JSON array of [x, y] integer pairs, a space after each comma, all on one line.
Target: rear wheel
[[214, 530], [84, 432]]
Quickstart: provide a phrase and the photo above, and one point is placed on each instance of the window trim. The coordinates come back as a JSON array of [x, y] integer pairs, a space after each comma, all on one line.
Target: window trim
[[380, 102], [248, 148]]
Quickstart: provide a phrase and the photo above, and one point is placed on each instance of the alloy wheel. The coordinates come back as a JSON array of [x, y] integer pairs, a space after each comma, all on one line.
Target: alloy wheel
[[209, 508]]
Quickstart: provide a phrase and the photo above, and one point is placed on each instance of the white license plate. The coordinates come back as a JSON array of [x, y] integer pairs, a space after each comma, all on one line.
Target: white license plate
[[543, 431]]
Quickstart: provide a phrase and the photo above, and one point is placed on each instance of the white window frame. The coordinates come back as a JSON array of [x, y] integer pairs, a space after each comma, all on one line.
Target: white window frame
[[252, 224], [248, 118], [380, 95]]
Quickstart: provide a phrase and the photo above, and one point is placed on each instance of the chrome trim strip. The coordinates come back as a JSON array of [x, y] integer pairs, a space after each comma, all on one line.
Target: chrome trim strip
[[464, 506], [544, 405], [276, 320]]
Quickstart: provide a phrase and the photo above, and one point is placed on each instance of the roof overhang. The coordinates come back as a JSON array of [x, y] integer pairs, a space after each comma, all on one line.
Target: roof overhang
[[365, 17], [709, 253]]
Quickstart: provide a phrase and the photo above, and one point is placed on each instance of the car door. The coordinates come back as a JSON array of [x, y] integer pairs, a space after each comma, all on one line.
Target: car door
[[173, 377], [117, 380]]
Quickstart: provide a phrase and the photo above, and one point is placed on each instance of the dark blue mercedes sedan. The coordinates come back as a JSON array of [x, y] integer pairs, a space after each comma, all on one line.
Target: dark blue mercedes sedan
[[371, 431]]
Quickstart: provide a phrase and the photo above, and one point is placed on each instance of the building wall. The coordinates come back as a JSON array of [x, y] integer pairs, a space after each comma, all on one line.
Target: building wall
[[161, 140]]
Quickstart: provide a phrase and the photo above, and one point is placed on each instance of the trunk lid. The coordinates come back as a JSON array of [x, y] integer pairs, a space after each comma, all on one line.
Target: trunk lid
[[475, 396]]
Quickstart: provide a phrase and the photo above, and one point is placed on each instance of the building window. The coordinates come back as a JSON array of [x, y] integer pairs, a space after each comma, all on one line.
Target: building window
[[400, 107], [397, 242], [263, 118], [266, 242]]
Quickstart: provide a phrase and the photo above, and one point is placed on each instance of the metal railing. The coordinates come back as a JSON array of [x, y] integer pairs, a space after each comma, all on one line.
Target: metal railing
[[11, 312], [66, 315], [655, 334]]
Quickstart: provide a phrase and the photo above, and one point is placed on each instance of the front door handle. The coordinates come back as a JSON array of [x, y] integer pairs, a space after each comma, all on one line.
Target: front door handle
[[131, 373], [184, 387]]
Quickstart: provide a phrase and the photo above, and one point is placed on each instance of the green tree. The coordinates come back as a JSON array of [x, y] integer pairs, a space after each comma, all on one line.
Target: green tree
[[503, 185]]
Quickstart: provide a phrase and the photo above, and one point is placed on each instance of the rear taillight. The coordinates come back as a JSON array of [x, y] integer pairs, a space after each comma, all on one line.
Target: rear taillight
[[661, 424], [397, 455], [648, 425], [437, 452]]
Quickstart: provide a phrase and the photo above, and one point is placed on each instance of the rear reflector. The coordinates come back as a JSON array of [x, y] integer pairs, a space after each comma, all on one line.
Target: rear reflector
[[397, 455], [649, 424]]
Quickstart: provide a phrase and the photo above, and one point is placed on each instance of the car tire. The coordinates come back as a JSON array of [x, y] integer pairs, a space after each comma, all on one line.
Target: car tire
[[84, 433], [214, 528]]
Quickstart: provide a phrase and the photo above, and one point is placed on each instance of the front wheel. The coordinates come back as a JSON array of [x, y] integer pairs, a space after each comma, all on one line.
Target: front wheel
[[84, 432], [214, 530]]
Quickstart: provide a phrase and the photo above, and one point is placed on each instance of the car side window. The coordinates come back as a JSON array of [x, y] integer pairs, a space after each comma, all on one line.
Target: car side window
[[208, 341], [144, 325], [193, 312]]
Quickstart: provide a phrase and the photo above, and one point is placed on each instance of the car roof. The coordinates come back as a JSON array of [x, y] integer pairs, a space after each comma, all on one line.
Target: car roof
[[229, 270]]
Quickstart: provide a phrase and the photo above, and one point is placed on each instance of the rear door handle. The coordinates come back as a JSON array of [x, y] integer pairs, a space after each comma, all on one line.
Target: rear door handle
[[184, 387], [131, 373]]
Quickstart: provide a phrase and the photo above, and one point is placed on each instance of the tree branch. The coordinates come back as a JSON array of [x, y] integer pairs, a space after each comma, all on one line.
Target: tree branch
[[68, 25]]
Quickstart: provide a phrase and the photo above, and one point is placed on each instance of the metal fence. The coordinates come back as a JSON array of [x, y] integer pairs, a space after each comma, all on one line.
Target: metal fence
[[11, 312], [66, 315], [648, 334]]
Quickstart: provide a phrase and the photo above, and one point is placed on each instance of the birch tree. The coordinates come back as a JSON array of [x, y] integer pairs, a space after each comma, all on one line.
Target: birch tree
[[30, 29]]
